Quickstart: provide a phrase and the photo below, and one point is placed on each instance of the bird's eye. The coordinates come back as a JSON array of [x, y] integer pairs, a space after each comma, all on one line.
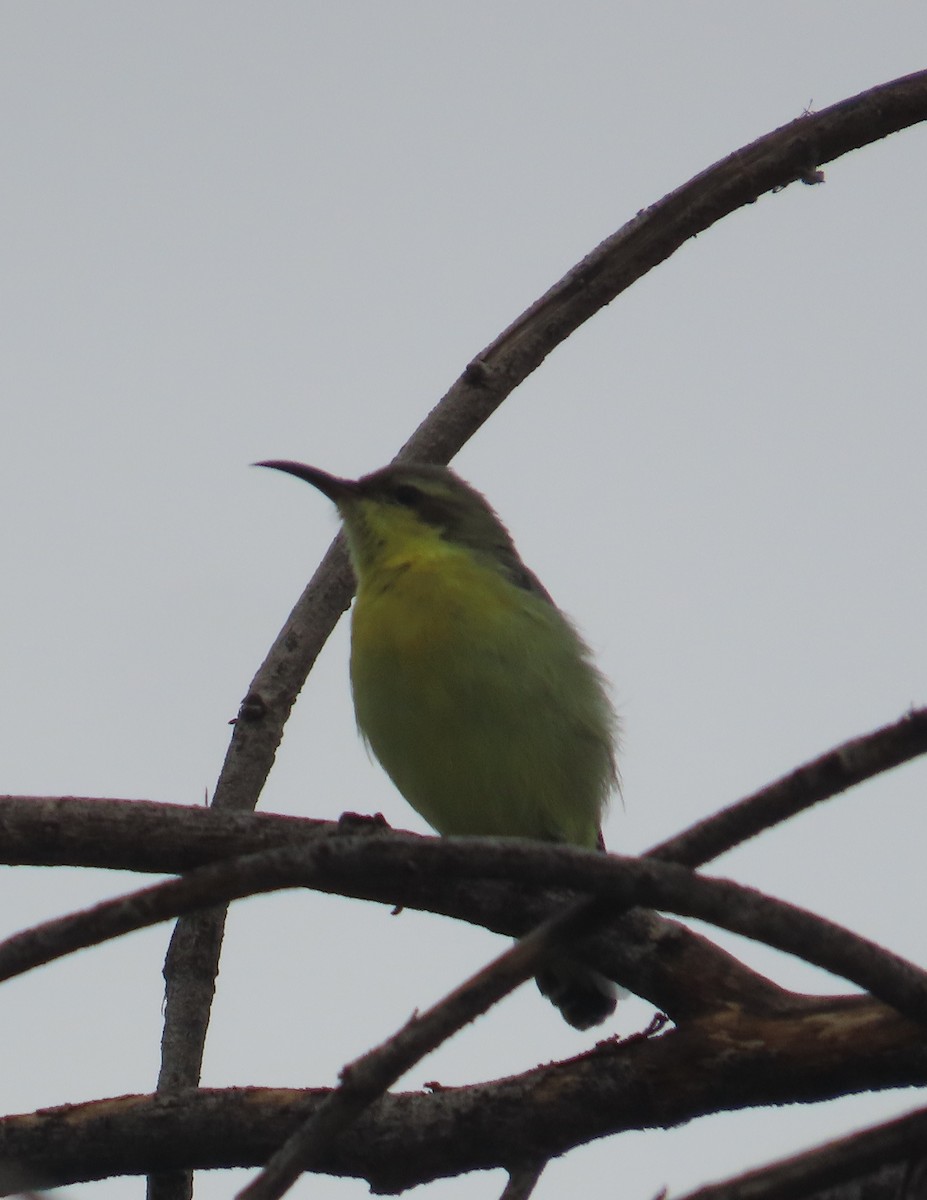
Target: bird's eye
[[406, 494]]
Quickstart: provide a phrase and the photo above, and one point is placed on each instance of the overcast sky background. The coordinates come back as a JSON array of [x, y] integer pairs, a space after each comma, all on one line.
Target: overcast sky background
[[237, 231]]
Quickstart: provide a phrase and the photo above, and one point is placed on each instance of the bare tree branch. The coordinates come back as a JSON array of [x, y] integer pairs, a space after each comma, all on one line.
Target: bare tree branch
[[366, 1080], [522, 1182], [652, 953], [141, 835], [827, 776], [726, 1062], [860, 1154], [359, 865]]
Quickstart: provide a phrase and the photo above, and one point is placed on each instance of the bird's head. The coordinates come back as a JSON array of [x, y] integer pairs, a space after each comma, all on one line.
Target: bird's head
[[406, 505]]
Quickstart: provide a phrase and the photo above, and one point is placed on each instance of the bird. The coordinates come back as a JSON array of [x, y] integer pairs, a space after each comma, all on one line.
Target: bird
[[476, 694]]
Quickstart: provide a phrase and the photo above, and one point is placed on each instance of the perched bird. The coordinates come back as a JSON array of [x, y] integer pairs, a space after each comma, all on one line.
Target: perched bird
[[473, 690]]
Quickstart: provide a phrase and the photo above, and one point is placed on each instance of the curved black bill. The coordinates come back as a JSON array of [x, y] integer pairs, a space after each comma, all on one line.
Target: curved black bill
[[329, 485]]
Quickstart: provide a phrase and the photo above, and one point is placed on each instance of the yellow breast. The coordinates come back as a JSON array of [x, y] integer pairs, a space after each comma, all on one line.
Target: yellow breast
[[459, 681]]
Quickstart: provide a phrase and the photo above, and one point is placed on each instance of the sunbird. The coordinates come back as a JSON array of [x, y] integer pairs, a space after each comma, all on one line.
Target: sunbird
[[474, 691]]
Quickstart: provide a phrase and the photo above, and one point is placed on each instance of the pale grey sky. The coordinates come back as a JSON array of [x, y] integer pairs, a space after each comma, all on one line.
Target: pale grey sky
[[235, 231]]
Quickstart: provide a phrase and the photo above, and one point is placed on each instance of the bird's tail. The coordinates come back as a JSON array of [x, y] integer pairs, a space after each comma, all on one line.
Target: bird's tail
[[584, 996]]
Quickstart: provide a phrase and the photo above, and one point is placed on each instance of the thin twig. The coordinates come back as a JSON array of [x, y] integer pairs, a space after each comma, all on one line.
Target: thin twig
[[522, 1182], [841, 768]]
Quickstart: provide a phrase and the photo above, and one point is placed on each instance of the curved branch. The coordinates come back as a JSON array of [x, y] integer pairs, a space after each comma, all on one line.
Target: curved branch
[[678, 970], [382, 864]]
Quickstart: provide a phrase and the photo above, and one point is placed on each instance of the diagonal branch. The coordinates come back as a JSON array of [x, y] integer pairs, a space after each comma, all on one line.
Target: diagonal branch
[[834, 772], [364, 1081], [894, 1143], [522, 1182]]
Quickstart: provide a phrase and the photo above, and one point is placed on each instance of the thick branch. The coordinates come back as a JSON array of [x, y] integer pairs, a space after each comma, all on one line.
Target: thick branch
[[366, 864], [726, 1063], [661, 960], [482, 881], [139, 835]]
